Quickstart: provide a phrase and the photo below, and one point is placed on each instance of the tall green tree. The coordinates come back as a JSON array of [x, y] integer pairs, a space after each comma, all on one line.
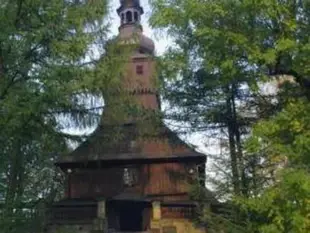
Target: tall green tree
[[216, 108], [53, 68], [283, 139], [244, 44]]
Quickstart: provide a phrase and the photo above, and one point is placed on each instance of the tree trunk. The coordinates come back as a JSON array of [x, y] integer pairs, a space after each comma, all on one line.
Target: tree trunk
[[232, 146], [236, 129]]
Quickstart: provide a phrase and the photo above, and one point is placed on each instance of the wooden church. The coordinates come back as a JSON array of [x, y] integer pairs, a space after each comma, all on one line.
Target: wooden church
[[140, 181]]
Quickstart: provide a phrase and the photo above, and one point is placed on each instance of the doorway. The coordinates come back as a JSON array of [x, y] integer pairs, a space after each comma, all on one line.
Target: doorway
[[126, 216], [131, 216]]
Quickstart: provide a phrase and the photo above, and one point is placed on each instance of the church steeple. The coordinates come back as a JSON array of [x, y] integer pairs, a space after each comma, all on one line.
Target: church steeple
[[130, 12], [130, 30], [140, 75]]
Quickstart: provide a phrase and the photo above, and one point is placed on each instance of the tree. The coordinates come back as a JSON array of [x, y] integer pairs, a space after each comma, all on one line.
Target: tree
[[284, 140], [243, 44], [212, 106], [49, 79]]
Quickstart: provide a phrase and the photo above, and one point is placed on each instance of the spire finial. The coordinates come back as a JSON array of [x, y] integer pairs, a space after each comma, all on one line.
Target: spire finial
[[130, 12]]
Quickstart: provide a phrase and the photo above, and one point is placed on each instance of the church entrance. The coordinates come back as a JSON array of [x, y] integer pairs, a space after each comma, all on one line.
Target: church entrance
[[131, 216], [127, 216]]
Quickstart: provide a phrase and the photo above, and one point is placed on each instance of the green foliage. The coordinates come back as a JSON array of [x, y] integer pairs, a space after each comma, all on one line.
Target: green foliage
[[283, 207], [285, 135], [284, 140], [226, 36], [240, 45], [53, 69]]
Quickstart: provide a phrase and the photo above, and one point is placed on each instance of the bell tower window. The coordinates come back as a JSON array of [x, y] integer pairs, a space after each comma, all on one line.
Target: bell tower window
[[130, 12], [128, 16]]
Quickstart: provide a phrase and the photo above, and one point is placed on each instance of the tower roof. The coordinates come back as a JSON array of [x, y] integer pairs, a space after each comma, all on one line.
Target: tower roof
[[127, 4]]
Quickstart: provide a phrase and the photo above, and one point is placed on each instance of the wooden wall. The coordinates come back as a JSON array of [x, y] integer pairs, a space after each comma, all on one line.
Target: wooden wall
[[160, 179], [98, 183], [165, 178]]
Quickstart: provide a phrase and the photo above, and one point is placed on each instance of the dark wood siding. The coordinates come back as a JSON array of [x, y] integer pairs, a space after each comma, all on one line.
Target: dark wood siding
[[107, 182], [163, 181], [165, 178]]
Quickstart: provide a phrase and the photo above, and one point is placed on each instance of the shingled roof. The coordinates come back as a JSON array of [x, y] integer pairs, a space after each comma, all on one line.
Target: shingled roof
[[130, 142]]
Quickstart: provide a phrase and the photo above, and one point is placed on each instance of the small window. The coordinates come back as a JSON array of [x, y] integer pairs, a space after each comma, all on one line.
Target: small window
[[130, 176], [129, 16], [136, 16], [139, 69]]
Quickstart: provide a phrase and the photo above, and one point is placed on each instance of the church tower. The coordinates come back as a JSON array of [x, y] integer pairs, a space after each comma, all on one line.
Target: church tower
[[140, 76], [124, 178]]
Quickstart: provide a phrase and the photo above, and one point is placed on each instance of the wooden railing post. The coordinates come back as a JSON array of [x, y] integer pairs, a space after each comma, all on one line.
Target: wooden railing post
[[156, 210], [100, 223]]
